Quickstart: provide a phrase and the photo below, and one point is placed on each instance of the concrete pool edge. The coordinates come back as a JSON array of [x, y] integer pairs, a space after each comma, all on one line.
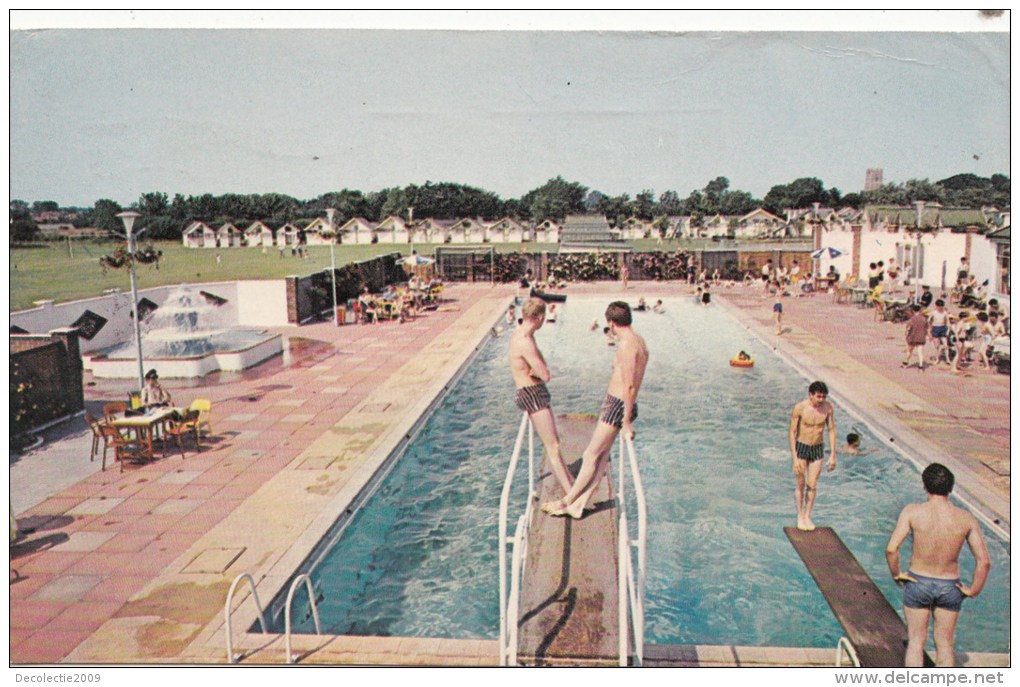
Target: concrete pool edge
[[988, 505], [443, 652], [274, 573]]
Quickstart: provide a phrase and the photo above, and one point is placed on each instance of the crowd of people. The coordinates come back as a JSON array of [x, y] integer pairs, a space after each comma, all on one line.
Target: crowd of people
[[401, 302]]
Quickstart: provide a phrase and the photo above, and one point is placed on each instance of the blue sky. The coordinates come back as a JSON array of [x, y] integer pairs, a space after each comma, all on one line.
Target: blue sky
[[114, 112]]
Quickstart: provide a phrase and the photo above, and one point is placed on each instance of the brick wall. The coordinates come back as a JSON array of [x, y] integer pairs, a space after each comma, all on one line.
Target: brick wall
[[45, 379]]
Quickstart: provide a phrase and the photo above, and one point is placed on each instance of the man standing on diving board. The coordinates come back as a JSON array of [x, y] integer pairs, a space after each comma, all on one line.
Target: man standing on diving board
[[619, 410], [807, 445], [530, 374]]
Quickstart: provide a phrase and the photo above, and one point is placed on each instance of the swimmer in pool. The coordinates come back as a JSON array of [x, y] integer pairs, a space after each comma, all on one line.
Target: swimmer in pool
[[808, 423], [853, 445]]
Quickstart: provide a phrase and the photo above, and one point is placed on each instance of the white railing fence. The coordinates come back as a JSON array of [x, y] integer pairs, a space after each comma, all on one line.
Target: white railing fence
[[631, 587], [509, 598]]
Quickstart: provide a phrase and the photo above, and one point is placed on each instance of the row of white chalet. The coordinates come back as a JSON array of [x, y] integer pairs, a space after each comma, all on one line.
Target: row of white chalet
[[393, 229], [758, 224]]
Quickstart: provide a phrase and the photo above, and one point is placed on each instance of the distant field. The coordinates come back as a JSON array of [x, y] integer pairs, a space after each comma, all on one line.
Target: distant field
[[51, 273]]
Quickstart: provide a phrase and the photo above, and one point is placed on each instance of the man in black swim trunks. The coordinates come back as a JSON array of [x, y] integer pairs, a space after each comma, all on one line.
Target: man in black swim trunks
[[808, 422], [618, 411], [530, 374]]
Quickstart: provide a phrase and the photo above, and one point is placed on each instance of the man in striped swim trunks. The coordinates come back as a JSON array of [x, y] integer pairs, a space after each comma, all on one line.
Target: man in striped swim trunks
[[530, 374], [807, 445], [619, 410]]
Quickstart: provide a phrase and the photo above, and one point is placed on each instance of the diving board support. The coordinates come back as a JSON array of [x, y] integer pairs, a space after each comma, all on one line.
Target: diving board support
[[876, 636]]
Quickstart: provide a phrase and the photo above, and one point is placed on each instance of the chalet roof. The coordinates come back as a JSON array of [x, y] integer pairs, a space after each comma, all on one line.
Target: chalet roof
[[393, 222], [257, 228], [760, 212], [509, 221], [934, 216], [585, 223], [467, 222], [358, 221], [197, 227], [441, 223]]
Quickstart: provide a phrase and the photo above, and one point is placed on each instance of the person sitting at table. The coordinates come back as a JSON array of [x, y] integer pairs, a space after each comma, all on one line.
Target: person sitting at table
[[154, 395], [367, 305], [405, 306], [926, 297], [833, 276]]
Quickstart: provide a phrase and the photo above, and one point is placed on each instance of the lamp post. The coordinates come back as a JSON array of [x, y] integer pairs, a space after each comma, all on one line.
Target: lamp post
[[917, 255], [128, 218], [330, 212]]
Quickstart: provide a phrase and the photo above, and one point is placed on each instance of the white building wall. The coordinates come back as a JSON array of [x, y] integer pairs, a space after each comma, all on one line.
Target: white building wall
[[840, 240], [262, 303], [983, 263]]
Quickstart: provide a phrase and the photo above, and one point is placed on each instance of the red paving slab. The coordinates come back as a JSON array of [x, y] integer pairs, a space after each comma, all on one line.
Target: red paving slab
[[262, 420], [48, 646]]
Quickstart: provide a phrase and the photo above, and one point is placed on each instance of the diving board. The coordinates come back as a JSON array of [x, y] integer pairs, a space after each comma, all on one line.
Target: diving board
[[872, 626], [569, 605]]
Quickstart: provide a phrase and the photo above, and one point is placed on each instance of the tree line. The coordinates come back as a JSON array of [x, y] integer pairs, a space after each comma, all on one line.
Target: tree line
[[166, 218]]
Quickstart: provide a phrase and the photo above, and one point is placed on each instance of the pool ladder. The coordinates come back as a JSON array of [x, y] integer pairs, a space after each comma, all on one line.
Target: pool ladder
[[231, 657]]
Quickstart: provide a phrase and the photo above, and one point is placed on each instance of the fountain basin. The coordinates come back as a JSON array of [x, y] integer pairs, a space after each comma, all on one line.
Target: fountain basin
[[228, 350]]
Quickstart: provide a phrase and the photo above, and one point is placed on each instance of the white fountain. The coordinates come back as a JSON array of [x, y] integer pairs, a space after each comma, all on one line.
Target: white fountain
[[186, 337]]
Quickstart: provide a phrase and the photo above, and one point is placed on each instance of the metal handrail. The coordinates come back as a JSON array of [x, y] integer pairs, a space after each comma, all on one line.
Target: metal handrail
[[516, 573], [303, 577], [844, 645], [631, 589], [226, 612], [508, 615]]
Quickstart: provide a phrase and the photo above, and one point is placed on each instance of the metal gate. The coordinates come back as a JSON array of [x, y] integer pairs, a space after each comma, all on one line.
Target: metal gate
[[723, 260], [465, 264]]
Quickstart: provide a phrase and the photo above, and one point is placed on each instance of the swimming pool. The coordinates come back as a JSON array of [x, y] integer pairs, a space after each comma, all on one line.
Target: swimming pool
[[420, 557]]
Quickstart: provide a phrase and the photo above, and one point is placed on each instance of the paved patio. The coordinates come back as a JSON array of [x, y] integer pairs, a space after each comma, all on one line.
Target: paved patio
[[134, 567]]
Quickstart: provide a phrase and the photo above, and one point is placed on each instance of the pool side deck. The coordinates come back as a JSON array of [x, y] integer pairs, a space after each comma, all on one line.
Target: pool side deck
[[134, 567]]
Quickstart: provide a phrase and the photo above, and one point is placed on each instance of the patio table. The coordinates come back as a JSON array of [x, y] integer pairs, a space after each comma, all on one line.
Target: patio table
[[145, 425]]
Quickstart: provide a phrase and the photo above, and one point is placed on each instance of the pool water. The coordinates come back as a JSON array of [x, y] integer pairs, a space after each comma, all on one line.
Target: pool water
[[420, 557]]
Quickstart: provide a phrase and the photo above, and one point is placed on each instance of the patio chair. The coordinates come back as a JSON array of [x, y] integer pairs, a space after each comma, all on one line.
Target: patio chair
[[123, 447], [204, 408], [97, 437], [110, 410], [186, 425]]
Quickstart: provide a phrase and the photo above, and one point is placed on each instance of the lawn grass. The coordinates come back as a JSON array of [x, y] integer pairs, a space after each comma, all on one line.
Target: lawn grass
[[49, 272]]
